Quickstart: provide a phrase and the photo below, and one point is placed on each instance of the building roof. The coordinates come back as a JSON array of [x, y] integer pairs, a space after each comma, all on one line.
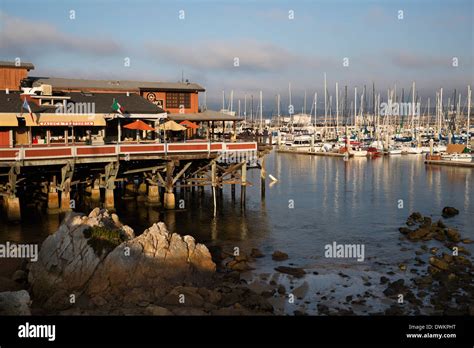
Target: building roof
[[133, 104], [118, 85], [22, 65], [208, 115], [12, 102]]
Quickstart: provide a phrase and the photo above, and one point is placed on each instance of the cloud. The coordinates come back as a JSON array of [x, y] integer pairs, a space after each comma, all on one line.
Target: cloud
[[19, 36], [253, 56], [418, 61]]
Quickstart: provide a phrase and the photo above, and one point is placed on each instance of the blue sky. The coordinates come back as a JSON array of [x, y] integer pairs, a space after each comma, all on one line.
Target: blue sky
[[273, 50]]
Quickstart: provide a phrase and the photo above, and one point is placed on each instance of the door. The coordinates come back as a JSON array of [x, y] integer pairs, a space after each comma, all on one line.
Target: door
[[4, 137]]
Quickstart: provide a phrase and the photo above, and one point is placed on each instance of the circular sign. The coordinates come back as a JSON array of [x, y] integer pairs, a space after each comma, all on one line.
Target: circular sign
[[151, 97]]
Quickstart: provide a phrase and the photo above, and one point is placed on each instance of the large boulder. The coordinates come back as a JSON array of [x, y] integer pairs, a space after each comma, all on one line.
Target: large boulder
[[15, 303], [110, 266]]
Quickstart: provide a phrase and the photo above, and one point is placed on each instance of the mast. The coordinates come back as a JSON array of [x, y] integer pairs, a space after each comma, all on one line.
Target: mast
[[337, 110], [261, 110], [315, 108], [245, 108], [304, 103], [413, 108], [355, 106], [231, 100], [468, 113], [223, 100], [325, 103]]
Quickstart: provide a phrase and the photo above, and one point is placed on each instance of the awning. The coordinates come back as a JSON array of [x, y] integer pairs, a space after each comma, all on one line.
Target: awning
[[64, 120], [8, 120]]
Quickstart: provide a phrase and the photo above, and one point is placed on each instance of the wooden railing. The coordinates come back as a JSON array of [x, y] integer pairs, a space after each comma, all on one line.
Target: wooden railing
[[80, 151]]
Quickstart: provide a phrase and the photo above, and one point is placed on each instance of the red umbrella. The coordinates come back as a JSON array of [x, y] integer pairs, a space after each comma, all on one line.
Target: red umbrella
[[189, 124], [139, 125]]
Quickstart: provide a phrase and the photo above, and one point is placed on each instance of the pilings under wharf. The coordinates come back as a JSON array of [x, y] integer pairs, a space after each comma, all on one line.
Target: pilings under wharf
[[53, 177]]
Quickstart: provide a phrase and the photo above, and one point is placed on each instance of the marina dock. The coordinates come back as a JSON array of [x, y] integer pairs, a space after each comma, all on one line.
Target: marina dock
[[450, 163]]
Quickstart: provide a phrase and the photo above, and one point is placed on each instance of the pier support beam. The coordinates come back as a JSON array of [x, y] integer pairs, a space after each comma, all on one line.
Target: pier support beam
[[12, 208], [111, 171], [66, 178], [95, 191], [142, 191], [53, 197], [169, 198], [11, 201], [243, 187], [153, 198], [262, 178]]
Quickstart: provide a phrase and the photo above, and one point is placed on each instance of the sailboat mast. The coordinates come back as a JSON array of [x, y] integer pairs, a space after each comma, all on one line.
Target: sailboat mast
[[325, 102], [261, 110], [337, 109], [468, 113]]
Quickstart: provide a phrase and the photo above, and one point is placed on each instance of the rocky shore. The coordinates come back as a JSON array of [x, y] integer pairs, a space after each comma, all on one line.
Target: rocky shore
[[95, 265]]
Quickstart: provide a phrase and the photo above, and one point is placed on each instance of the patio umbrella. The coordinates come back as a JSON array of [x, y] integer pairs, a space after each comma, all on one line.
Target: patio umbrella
[[139, 125], [172, 126], [189, 124]]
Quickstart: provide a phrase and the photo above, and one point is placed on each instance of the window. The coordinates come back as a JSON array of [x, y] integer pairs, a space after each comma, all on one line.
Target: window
[[174, 100]]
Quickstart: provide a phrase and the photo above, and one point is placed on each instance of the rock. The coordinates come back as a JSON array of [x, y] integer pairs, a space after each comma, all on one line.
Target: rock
[[296, 272], [383, 280], [15, 303], [301, 290], [447, 258], [395, 288], [157, 310], [416, 217], [467, 241], [279, 256], [441, 224], [281, 289], [184, 296], [404, 230], [434, 250], [439, 263], [20, 276], [239, 266], [256, 253], [418, 234], [449, 212], [463, 250], [135, 271], [453, 235], [7, 284], [402, 267], [116, 220]]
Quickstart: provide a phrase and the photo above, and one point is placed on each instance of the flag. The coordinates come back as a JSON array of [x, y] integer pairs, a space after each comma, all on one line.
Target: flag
[[27, 107], [117, 107]]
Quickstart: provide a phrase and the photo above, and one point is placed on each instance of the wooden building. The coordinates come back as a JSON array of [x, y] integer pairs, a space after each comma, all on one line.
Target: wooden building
[[173, 97], [11, 74]]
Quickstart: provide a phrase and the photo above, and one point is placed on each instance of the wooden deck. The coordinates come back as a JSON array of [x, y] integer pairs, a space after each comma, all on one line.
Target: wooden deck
[[50, 155]]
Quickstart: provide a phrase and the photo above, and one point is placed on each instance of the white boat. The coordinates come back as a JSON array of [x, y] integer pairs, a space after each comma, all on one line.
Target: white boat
[[358, 153], [457, 157], [414, 150], [300, 141], [394, 151]]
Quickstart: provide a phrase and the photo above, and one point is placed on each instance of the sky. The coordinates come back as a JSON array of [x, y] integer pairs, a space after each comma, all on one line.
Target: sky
[[275, 43]]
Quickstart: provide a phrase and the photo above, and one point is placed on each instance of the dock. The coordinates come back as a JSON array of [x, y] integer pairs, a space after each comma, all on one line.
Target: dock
[[450, 163], [327, 154]]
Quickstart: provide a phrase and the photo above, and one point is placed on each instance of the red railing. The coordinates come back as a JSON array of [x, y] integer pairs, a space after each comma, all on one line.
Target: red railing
[[80, 151]]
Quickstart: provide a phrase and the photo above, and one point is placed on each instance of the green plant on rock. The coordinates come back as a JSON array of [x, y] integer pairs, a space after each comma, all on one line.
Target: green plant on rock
[[103, 239]]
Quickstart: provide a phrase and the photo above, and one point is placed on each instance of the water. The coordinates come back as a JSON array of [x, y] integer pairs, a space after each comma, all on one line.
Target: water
[[317, 200]]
